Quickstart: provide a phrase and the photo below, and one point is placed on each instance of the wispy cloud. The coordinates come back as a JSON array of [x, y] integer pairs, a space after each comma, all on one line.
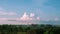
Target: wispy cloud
[[56, 19], [7, 13], [1, 8], [11, 13], [38, 18], [1, 19], [3, 13]]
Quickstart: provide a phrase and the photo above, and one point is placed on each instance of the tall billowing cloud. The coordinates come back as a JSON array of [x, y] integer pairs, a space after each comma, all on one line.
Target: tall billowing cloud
[[25, 17], [29, 17]]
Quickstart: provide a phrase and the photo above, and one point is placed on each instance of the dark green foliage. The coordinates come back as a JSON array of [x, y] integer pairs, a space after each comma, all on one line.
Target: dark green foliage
[[29, 29]]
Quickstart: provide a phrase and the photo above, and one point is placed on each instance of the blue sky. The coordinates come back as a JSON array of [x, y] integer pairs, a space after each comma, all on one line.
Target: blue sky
[[41, 8]]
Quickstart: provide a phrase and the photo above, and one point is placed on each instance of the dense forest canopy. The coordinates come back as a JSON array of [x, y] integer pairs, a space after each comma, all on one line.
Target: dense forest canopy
[[30, 29]]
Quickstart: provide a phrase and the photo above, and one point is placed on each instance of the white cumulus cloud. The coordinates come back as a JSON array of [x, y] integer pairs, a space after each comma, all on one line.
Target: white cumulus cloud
[[25, 17], [32, 14], [29, 17]]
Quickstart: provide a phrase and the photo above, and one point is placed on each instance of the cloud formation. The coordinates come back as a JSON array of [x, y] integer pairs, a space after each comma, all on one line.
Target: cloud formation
[[7, 13], [56, 19], [25, 17], [2, 13], [38, 18], [3, 19], [32, 15], [29, 17], [11, 13]]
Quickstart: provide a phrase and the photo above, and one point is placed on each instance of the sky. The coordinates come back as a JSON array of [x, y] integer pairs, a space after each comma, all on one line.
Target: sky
[[33, 9]]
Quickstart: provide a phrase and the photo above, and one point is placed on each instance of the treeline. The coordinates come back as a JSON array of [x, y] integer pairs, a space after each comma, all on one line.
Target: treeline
[[30, 29]]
